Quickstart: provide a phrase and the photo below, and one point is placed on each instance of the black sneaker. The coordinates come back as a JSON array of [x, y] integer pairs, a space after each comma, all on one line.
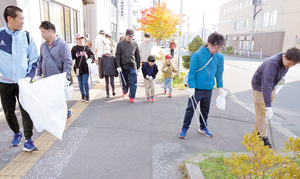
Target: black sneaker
[[87, 98], [114, 93], [266, 141], [82, 98], [107, 97]]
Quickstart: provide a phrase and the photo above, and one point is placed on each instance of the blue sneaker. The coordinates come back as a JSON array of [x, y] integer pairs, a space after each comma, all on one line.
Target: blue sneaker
[[205, 132], [28, 145], [182, 135], [17, 139]]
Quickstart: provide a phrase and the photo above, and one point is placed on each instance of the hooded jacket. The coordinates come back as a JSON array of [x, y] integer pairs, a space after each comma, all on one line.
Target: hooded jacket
[[60, 50], [18, 58], [205, 79], [169, 72]]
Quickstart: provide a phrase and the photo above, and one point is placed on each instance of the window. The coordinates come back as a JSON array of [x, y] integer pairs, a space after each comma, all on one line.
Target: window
[[224, 11], [246, 4], [265, 19], [114, 2], [231, 8], [236, 25], [228, 42], [135, 13], [68, 25], [241, 5], [75, 22], [240, 45], [273, 18], [228, 10], [61, 16], [236, 7], [45, 11]]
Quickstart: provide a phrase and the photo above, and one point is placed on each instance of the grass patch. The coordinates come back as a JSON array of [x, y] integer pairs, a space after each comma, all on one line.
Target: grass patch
[[177, 82], [214, 167]]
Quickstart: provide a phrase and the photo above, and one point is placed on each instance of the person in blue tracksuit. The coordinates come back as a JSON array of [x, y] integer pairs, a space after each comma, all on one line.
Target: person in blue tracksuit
[[201, 83], [18, 60]]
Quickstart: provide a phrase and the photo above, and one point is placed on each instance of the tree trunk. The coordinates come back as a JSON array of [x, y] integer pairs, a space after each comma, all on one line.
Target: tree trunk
[[158, 41]]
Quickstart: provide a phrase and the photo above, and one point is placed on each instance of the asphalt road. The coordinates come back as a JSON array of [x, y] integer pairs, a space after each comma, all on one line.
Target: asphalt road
[[237, 79]]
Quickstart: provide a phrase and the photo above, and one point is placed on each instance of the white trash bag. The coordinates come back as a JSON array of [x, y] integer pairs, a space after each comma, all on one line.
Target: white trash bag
[[45, 103], [93, 68], [220, 101]]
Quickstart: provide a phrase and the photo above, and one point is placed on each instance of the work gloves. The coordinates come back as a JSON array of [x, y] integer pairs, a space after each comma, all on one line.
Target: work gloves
[[149, 77], [222, 92], [165, 69], [119, 69], [282, 81], [27, 79], [191, 92]]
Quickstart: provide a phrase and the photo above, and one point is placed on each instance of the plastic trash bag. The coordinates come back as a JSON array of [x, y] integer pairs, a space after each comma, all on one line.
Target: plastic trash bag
[[93, 68], [185, 79], [45, 103], [220, 101]]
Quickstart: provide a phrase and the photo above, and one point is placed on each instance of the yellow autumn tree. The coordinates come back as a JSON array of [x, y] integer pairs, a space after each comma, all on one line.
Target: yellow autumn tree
[[159, 21]]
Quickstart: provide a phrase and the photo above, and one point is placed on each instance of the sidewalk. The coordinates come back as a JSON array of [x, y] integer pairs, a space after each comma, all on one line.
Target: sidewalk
[[117, 139]]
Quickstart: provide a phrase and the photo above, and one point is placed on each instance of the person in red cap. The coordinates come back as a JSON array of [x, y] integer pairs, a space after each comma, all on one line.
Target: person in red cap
[[82, 54], [168, 69]]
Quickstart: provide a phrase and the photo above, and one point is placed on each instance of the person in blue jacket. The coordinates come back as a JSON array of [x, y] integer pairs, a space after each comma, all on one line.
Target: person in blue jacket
[[201, 81], [18, 60]]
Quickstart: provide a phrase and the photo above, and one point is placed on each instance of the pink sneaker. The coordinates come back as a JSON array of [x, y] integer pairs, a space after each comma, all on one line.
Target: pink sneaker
[[170, 95]]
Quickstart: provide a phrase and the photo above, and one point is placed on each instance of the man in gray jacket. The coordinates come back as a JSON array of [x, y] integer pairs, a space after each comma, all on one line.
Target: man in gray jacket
[[128, 62], [145, 48], [55, 55]]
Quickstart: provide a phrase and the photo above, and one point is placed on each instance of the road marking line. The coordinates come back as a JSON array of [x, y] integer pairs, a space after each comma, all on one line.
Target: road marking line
[[274, 125], [23, 162]]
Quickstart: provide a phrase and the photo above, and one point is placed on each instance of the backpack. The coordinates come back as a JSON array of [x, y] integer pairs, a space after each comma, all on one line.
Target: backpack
[[186, 77]]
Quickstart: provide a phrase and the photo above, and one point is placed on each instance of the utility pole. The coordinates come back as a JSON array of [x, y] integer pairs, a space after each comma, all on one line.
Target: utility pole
[[255, 4], [203, 26], [188, 37], [214, 27], [179, 39]]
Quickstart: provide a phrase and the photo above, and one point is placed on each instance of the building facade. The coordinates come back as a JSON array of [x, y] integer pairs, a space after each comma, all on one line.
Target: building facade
[[276, 27]]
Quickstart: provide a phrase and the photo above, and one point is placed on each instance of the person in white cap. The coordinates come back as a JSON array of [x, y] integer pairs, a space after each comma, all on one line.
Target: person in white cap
[[82, 53], [99, 44], [108, 70]]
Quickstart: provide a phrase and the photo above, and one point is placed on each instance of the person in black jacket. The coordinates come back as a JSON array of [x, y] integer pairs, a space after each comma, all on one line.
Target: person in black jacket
[[128, 62], [108, 70], [149, 70], [82, 54]]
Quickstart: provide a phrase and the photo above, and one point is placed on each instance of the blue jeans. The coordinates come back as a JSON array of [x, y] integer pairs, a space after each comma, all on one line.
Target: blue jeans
[[168, 82], [130, 77], [83, 84], [204, 96]]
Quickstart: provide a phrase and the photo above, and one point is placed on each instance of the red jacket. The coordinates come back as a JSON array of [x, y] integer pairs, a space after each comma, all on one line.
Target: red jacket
[[172, 45]]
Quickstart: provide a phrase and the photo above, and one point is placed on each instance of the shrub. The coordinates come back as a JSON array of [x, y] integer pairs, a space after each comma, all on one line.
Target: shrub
[[195, 44], [186, 61], [228, 49]]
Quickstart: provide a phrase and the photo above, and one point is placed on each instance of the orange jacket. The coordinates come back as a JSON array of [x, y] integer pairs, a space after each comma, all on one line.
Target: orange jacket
[[172, 45]]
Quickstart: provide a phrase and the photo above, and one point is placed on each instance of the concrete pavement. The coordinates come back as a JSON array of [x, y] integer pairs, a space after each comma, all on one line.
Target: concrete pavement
[[117, 139]]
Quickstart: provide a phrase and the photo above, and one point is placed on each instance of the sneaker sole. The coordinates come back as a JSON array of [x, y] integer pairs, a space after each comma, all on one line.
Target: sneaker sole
[[204, 133], [87, 101], [27, 150], [181, 137], [82, 100]]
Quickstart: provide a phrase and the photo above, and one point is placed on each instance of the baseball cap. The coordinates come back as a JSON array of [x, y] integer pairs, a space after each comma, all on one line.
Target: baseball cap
[[79, 35], [168, 56], [102, 32], [129, 32]]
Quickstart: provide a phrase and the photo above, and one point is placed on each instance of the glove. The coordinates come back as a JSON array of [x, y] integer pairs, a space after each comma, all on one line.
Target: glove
[[269, 112], [89, 61], [147, 77], [282, 81], [150, 78], [165, 69], [191, 92], [222, 92], [28, 79], [37, 78], [138, 70], [119, 69], [67, 82]]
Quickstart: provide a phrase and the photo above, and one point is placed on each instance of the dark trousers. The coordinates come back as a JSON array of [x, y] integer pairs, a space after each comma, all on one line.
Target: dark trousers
[[172, 52], [130, 76], [112, 83], [204, 96], [99, 60], [8, 93]]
